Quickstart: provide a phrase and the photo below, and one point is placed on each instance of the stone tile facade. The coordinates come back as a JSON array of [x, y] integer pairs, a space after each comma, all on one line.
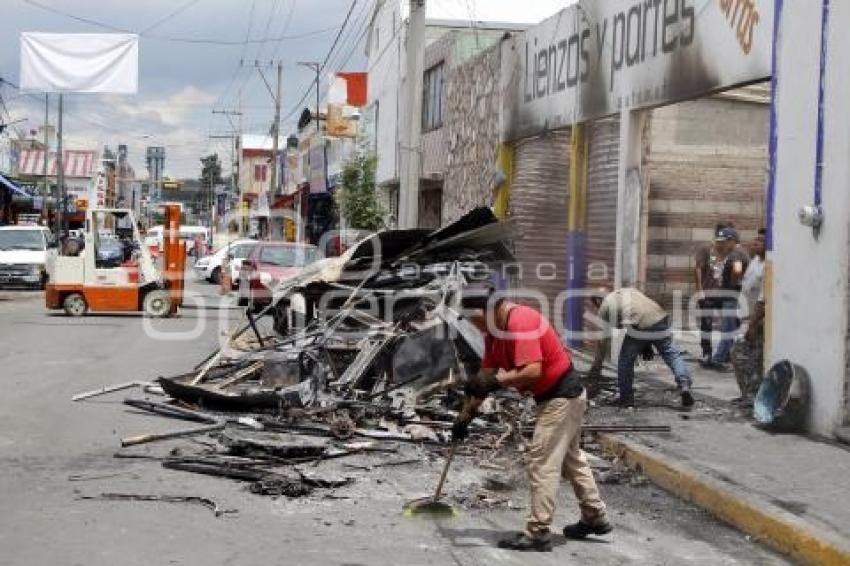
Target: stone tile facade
[[472, 133]]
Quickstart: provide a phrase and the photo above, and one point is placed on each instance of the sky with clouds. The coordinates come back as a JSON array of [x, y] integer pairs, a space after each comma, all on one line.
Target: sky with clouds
[[189, 64]]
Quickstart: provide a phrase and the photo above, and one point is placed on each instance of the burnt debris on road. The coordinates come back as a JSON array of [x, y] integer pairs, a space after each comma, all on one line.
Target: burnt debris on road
[[370, 355]]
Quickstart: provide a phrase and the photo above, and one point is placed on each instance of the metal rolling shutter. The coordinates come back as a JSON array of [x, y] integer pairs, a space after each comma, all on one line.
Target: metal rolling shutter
[[539, 196], [602, 162]]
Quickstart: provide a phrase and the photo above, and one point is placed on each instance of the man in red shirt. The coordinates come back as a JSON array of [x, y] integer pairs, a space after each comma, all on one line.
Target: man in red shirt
[[523, 351]]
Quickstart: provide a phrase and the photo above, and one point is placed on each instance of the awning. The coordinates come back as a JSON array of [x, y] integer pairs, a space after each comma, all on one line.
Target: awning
[[13, 187], [76, 163]]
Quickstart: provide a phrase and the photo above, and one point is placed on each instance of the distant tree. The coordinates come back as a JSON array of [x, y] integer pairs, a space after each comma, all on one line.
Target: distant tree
[[357, 199], [211, 170]]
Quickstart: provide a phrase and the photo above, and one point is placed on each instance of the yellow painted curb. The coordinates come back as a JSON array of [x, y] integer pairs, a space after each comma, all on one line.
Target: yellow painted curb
[[770, 524]]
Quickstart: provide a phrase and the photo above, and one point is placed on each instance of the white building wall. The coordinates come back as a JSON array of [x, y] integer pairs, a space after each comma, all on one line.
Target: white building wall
[[247, 182], [384, 82], [808, 305], [386, 65]]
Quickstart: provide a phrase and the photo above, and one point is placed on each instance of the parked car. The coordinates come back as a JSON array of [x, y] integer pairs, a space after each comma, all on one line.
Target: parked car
[[268, 264], [23, 256], [209, 267]]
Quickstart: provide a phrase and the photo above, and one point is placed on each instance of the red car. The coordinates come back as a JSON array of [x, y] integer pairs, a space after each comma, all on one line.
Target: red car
[[269, 264]]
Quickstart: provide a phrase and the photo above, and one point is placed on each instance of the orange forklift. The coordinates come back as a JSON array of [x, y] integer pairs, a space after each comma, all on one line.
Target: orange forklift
[[114, 271]]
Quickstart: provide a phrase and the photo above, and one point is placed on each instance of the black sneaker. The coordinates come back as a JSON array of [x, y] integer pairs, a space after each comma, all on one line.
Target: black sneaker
[[526, 543], [581, 529], [624, 402], [687, 399]]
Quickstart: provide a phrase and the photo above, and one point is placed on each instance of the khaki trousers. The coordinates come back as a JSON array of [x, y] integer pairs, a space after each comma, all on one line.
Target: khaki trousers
[[555, 452]]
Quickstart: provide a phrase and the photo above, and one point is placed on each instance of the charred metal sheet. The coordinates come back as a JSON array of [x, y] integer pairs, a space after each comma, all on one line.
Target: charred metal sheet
[[366, 357], [219, 400], [277, 444], [463, 330], [424, 356]]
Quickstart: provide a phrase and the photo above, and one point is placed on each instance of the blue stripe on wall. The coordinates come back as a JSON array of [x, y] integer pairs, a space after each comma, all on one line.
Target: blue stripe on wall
[[576, 259]]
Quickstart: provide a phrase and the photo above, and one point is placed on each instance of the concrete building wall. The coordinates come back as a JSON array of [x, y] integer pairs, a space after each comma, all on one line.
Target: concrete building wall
[[808, 297], [434, 143], [446, 38], [707, 163], [472, 132]]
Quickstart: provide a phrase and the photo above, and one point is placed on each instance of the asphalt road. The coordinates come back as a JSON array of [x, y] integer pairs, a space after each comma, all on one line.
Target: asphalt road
[[52, 451]]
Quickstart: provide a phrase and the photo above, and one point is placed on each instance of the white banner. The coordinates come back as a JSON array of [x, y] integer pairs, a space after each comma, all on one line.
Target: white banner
[[80, 62], [596, 58]]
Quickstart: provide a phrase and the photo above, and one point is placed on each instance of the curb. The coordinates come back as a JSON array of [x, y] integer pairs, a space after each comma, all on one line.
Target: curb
[[768, 523]]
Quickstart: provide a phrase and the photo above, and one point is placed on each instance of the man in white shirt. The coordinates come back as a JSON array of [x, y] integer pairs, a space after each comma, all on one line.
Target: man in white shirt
[[647, 326], [748, 351]]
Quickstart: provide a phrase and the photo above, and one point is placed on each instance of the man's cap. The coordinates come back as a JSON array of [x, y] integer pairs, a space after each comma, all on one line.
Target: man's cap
[[726, 233]]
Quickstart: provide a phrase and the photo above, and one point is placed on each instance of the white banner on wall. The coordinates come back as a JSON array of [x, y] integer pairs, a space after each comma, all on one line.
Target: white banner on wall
[[598, 57], [80, 62]]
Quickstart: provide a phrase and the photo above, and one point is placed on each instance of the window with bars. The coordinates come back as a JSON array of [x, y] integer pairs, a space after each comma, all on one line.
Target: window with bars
[[260, 172], [433, 97]]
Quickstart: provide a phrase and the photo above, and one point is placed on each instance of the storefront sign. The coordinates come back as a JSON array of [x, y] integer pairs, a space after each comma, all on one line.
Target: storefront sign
[[599, 57], [97, 190]]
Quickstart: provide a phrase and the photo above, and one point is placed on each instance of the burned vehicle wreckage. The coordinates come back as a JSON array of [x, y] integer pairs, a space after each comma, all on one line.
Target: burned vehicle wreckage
[[369, 358], [383, 316]]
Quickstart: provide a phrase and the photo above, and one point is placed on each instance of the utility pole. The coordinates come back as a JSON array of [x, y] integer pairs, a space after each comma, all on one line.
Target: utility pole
[[276, 133], [46, 156], [242, 215], [318, 68], [234, 137], [60, 173], [275, 129], [410, 143]]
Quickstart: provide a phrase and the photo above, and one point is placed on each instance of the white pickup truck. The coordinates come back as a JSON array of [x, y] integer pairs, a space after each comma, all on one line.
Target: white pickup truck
[[23, 256]]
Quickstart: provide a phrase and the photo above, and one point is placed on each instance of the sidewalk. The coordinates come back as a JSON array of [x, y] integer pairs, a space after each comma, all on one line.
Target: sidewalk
[[790, 491]]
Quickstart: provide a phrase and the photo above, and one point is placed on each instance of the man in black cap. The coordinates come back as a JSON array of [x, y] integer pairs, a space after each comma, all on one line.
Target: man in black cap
[[734, 266], [707, 275]]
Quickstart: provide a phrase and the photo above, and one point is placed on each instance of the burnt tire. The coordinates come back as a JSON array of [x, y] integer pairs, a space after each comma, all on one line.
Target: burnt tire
[[157, 304], [74, 304]]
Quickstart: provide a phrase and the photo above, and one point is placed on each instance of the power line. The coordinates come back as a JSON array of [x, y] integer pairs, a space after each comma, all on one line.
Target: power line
[[354, 34], [75, 17], [242, 53], [179, 39], [173, 14], [230, 43], [352, 41], [269, 19], [336, 39], [285, 28], [309, 89]]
